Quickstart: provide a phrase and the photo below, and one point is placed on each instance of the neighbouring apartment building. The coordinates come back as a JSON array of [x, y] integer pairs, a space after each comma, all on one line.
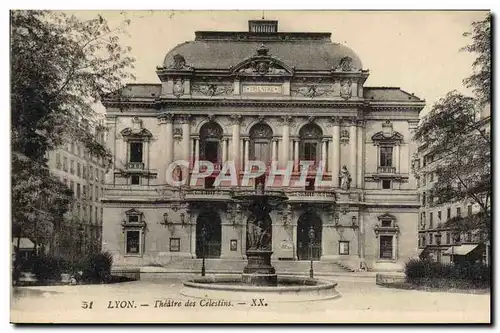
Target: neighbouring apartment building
[[84, 174], [435, 239], [274, 97]]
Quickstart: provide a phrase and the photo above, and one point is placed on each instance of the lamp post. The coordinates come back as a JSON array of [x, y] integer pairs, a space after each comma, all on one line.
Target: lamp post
[[203, 236], [311, 239], [438, 243]]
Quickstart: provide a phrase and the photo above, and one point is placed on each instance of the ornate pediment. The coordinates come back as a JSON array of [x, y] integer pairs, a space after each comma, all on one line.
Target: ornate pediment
[[386, 217], [262, 64], [384, 136], [131, 133], [133, 211]]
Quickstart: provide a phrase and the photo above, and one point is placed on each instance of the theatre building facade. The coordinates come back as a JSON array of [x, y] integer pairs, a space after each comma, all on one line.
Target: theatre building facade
[[273, 97]]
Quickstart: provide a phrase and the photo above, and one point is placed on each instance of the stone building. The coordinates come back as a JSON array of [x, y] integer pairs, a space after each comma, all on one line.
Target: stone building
[[274, 97], [84, 174], [436, 238]]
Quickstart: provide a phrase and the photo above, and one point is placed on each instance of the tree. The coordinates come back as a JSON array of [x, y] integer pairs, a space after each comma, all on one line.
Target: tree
[[480, 80], [60, 66], [461, 142]]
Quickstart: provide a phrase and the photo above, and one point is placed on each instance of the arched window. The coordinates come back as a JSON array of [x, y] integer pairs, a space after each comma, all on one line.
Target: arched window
[[260, 143], [310, 143], [210, 138]]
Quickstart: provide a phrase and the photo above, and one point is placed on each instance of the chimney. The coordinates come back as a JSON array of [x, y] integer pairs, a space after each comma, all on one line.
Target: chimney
[[263, 26]]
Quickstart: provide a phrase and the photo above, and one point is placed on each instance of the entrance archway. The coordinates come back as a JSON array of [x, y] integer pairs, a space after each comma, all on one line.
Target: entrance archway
[[304, 249], [213, 235]]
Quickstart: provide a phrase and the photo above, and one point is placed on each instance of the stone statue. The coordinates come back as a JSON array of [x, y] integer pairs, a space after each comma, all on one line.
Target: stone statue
[[346, 179], [258, 237]]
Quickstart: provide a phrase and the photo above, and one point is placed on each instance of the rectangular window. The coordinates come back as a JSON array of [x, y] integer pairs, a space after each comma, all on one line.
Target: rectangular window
[[84, 208], [386, 247], [96, 218], [175, 245], [432, 176], [91, 172], [431, 239], [386, 223], [423, 241], [133, 219], [459, 212], [78, 149], [469, 210], [72, 167], [431, 220], [423, 199], [135, 180], [448, 238], [133, 242], [58, 161], [72, 147], [77, 212], [84, 192], [65, 164], [343, 247], [439, 216], [78, 169], [96, 196], [448, 213], [84, 172], [91, 192], [386, 184], [424, 218], [309, 184], [78, 191], [386, 156], [135, 152]]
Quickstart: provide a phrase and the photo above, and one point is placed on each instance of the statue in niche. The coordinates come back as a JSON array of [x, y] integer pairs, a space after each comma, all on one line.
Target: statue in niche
[[346, 179], [178, 89], [177, 174]]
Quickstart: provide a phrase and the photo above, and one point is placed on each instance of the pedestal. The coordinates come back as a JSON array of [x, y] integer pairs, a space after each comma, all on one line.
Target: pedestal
[[259, 271]]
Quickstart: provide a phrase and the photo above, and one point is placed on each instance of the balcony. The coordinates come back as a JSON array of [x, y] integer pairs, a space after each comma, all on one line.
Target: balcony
[[386, 169], [208, 194], [316, 195], [135, 166]]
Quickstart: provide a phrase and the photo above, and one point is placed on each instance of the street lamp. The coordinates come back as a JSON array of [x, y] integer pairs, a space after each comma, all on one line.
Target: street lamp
[[203, 236], [438, 243], [311, 239]]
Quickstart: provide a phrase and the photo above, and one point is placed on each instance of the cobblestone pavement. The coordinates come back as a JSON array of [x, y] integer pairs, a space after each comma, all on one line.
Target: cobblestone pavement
[[362, 301]]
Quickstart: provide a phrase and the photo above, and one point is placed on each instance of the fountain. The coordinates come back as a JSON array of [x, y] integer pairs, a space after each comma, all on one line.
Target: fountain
[[259, 276]]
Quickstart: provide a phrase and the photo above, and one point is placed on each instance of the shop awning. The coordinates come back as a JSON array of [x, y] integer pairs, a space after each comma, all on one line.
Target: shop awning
[[24, 243], [460, 250]]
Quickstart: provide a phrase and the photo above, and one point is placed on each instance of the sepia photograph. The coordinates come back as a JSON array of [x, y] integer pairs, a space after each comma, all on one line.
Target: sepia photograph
[[250, 166]]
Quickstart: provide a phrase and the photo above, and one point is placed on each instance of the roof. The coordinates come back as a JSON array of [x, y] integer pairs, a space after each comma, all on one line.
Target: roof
[[225, 54], [25, 243], [141, 90], [388, 94], [461, 250]]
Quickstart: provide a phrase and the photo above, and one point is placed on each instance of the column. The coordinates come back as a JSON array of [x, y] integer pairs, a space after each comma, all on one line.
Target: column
[[294, 240], [197, 149], [111, 146], [353, 136], [396, 157], [185, 145], [324, 156], [335, 152], [361, 154], [193, 236], [246, 149], [169, 139], [235, 145], [224, 150], [285, 141], [296, 155], [273, 149], [185, 137]]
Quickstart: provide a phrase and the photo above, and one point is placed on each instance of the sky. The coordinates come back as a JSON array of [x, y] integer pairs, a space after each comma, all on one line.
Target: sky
[[417, 51]]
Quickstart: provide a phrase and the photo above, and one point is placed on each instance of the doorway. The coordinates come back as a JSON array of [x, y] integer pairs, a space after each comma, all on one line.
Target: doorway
[[307, 248], [210, 246]]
